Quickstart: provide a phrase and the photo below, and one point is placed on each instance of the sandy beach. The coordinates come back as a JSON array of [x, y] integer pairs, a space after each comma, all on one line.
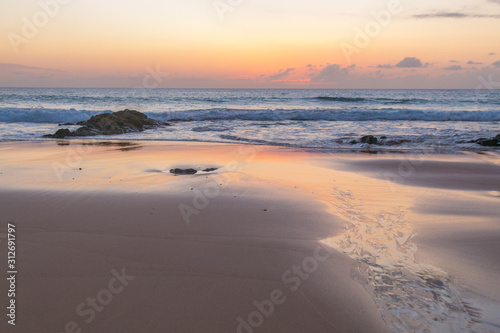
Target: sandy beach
[[231, 166], [267, 239]]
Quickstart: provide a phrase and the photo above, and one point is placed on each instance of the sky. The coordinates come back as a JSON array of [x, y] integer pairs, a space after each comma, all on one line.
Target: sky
[[407, 44]]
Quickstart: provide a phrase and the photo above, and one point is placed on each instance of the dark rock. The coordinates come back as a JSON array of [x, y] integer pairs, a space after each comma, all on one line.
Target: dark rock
[[383, 137], [85, 131], [477, 141], [183, 171], [210, 169], [60, 134], [391, 143], [370, 139], [489, 143], [120, 122], [485, 142], [396, 142], [353, 142], [66, 124]]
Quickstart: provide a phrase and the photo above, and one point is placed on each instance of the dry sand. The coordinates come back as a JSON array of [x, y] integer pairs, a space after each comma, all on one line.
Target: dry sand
[[258, 245]]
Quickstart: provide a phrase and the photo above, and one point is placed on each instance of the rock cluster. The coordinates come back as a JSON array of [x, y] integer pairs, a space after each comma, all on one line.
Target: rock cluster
[[178, 171], [372, 140], [120, 122], [493, 142]]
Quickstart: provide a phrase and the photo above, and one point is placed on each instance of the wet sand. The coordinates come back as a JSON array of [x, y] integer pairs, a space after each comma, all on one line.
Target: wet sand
[[274, 240]]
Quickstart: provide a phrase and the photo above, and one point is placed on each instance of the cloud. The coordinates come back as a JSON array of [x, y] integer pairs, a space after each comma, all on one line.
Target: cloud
[[410, 62], [492, 54], [22, 69], [311, 67], [281, 74], [453, 68], [495, 1], [13, 75], [385, 66], [332, 73], [496, 64], [454, 61], [455, 15], [474, 63]]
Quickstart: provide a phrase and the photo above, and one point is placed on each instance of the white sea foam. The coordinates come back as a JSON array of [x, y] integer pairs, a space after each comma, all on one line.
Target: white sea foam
[[42, 115], [412, 296]]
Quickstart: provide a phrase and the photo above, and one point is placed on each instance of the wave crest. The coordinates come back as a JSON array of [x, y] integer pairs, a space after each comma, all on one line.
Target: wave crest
[[42, 115]]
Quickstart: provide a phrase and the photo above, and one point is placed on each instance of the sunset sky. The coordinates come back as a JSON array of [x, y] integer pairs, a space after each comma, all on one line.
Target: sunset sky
[[251, 44]]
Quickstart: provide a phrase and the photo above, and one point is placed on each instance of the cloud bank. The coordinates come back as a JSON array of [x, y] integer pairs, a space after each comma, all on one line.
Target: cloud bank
[[455, 15], [281, 74], [332, 73], [453, 68], [410, 62]]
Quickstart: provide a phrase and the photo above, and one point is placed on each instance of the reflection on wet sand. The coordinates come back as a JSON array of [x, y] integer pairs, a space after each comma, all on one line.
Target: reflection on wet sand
[[124, 145]]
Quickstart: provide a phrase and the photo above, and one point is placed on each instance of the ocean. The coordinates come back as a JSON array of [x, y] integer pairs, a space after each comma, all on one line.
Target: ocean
[[407, 120]]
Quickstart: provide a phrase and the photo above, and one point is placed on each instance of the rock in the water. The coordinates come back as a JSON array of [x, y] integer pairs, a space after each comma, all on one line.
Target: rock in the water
[[493, 142], [489, 143], [60, 134], [370, 139], [353, 142], [85, 131], [210, 170], [391, 143], [120, 122], [183, 171], [477, 141], [396, 142]]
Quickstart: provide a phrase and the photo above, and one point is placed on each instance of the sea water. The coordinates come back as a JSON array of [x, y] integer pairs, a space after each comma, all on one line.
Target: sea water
[[406, 120]]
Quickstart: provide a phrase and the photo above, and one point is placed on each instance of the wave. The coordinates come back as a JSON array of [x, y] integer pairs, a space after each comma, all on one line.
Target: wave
[[385, 100], [135, 98], [44, 115], [254, 141], [376, 100], [209, 129], [145, 97], [403, 100], [341, 99], [387, 114]]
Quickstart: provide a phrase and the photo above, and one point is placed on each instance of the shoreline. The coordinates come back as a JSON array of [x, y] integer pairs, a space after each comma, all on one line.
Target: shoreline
[[232, 238], [360, 149]]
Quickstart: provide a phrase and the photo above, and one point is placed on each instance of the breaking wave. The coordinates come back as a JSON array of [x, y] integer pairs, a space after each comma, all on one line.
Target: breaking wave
[[43, 115]]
